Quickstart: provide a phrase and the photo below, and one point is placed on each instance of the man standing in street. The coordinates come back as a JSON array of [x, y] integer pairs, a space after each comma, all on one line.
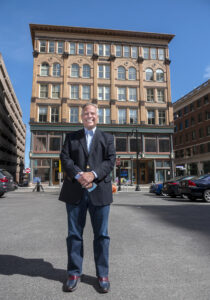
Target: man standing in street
[[87, 157]]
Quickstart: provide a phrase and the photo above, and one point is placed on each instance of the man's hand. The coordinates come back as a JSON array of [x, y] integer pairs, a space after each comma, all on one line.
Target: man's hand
[[86, 179]]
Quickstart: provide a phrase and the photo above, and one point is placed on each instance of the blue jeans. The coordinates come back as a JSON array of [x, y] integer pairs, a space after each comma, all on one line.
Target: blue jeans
[[76, 222]]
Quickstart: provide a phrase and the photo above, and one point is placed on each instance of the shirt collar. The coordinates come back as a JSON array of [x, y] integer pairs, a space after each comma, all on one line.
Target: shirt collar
[[86, 130]]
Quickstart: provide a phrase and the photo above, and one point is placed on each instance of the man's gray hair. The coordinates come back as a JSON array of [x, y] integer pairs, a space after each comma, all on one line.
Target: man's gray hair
[[90, 104]]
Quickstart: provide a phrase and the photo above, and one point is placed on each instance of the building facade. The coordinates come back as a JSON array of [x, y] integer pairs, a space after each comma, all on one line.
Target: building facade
[[12, 128], [125, 73], [192, 131]]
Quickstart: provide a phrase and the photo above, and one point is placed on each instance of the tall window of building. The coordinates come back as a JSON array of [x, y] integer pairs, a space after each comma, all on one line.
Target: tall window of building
[[161, 54], [89, 49], [81, 49], [146, 53], [151, 117], [56, 91], [104, 115], [40, 143], [86, 71], [121, 93], [44, 69], [42, 114], [104, 50], [191, 106], [133, 116], [54, 114], [193, 135], [207, 115], [74, 70], [51, 47], [206, 99], [200, 117], [72, 48], [132, 73], [180, 126], [134, 52], [198, 102], [54, 142], [42, 46], [103, 93], [132, 94], [121, 73], [74, 115], [150, 95], [200, 132], [149, 74], [150, 144], [126, 51], [104, 71], [74, 92], [118, 49], [60, 47], [192, 121], [159, 75], [162, 117], [186, 123], [85, 92], [56, 70], [43, 91], [153, 53], [160, 95], [122, 116], [185, 110], [208, 130]]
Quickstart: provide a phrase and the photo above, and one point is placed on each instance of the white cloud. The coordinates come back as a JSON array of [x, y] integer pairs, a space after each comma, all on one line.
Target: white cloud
[[207, 72]]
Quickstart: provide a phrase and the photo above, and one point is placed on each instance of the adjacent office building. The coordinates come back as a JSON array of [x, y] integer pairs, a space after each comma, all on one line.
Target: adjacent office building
[[12, 128], [126, 73], [192, 131]]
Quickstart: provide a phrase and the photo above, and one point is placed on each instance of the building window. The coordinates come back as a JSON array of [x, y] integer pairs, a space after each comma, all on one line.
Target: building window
[[56, 70], [60, 47], [164, 145], [121, 93], [200, 132], [162, 117], [206, 99], [151, 117], [40, 143], [121, 73], [74, 70], [134, 52], [74, 113], [42, 114], [104, 115], [146, 53], [150, 144], [199, 117], [121, 144], [153, 53], [186, 137], [126, 51], [74, 92], [89, 49], [132, 73], [81, 49], [54, 143], [207, 116], [192, 121], [180, 139], [159, 75], [44, 69], [104, 50], [208, 130], [56, 91], [160, 95], [186, 123], [202, 149], [104, 71], [86, 92], [51, 47], [133, 116], [118, 51], [54, 114], [161, 55], [103, 93], [42, 46], [150, 95], [149, 75], [132, 94], [198, 102], [72, 48], [191, 106], [43, 91], [86, 71], [185, 110], [122, 116], [193, 135]]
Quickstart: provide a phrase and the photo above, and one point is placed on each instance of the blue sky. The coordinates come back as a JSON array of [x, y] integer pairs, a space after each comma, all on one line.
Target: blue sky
[[189, 20]]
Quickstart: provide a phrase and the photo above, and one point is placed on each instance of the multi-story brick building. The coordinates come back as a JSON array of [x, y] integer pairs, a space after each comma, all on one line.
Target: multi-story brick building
[[126, 73], [192, 131], [12, 128]]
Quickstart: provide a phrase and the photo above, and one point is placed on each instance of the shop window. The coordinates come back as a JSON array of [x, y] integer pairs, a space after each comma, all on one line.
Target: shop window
[[55, 144], [150, 145], [164, 145], [40, 144], [133, 145], [121, 145]]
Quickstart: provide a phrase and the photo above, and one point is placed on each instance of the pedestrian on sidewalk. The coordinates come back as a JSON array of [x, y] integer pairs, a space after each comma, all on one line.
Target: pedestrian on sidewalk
[[87, 157]]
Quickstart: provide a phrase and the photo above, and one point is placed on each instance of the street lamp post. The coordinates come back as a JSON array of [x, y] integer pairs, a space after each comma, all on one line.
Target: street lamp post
[[119, 175], [131, 157], [137, 161]]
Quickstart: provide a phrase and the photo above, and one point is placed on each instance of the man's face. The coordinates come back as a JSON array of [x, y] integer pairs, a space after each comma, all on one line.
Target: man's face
[[89, 117]]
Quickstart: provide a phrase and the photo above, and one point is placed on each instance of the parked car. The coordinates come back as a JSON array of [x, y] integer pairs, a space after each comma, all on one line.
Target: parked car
[[172, 187], [197, 187], [6, 182]]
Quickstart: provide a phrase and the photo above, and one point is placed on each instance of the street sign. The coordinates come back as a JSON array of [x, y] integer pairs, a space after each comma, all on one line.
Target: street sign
[[27, 171]]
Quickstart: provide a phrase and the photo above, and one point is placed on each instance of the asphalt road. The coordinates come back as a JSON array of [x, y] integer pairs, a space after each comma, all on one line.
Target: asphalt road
[[160, 249]]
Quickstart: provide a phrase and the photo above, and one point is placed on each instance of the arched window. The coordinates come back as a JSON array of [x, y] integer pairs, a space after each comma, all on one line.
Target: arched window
[[56, 70], [132, 73], [86, 71], [121, 73], [74, 70], [149, 74], [159, 75], [44, 69]]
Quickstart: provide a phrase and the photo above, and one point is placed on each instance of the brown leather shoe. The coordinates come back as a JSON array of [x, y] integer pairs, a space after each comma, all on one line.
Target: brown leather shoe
[[71, 283], [104, 284]]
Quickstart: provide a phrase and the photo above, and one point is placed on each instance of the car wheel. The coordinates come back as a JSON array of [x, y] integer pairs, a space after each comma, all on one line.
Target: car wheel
[[1, 194], [191, 198], [206, 196]]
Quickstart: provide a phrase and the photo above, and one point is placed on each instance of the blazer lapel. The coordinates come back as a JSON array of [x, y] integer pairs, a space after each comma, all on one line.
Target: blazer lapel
[[94, 141], [83, 142]]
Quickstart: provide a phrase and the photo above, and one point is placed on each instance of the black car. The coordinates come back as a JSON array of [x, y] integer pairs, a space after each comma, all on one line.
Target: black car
[[198, 187], [6, 182], [172, 187]]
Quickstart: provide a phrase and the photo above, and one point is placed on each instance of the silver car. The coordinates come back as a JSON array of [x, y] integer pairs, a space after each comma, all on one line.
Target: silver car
[[6, 182]]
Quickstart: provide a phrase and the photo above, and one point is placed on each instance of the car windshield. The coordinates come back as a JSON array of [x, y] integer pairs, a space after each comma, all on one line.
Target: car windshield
[[5, 173], [206, 176]]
